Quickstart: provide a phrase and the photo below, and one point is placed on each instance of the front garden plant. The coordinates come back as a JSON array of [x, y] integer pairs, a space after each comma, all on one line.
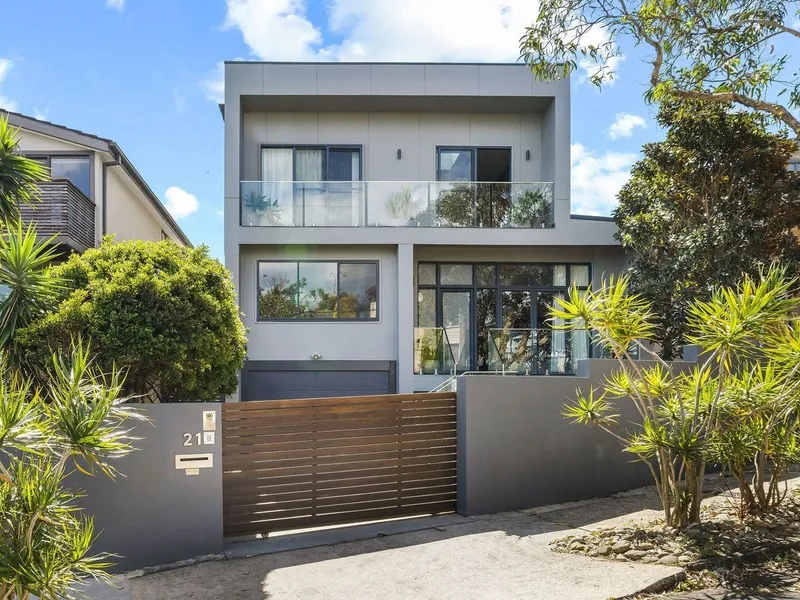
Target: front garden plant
[[75, 422], [736, 407]]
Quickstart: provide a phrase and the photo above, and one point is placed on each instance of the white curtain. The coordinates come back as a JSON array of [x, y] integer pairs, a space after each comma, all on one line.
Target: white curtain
[[356, 203], [560, 275], [311, 195], [581, 339], [277, 174], [558, 348]]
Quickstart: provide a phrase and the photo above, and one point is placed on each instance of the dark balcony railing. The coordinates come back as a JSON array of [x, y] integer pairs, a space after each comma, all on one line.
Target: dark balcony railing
[[397, 204], [65, 211]]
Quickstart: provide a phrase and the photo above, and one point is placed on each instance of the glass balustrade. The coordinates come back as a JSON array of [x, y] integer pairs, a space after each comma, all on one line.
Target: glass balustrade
[[396, 204], [433, 353], [537, 351]]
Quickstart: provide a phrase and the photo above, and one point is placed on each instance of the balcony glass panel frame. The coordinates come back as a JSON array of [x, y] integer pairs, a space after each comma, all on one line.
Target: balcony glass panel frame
[[467, 204]]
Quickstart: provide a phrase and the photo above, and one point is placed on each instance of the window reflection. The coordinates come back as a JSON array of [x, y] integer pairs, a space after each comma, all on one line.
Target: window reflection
[[74, 168], [317, 290]]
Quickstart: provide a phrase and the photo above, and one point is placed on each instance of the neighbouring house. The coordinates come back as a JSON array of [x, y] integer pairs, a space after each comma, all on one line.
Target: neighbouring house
[[93, 189], [391, 225]]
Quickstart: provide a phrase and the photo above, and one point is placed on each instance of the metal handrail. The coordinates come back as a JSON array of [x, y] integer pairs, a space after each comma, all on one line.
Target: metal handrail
[[444, 385]]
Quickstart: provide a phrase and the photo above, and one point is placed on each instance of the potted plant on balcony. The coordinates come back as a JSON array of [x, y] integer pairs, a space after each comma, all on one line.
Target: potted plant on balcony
[[265, 210], [401, 205], [532, 209], [430, 350]]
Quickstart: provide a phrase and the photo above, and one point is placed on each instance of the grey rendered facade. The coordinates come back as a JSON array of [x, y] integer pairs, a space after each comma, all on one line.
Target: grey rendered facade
[[388, 225]]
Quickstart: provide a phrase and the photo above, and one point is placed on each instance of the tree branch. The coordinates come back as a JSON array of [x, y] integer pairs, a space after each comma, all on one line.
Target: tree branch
[[776, 110]]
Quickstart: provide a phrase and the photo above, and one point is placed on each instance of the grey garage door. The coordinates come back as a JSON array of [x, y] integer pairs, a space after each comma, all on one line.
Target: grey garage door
[[280, 380]]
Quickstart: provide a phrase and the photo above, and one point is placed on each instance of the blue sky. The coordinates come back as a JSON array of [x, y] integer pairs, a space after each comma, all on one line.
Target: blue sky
[[146, 74]]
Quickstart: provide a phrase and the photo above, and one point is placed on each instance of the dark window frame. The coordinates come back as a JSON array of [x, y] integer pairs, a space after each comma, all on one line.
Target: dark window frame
[[47, 157], [326, 147], [497, 288], [338, 262], [474, 151]]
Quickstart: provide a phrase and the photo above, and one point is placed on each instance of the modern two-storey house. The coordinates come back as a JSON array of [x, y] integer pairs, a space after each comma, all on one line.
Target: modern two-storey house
[[391, 225], [93, 189]]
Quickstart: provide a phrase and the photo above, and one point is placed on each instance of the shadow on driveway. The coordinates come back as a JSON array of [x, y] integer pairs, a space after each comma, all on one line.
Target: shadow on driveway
[[498, 556]]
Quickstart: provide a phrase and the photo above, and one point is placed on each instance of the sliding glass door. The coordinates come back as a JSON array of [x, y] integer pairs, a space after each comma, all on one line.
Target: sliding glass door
[[311, 186], [457, 325]]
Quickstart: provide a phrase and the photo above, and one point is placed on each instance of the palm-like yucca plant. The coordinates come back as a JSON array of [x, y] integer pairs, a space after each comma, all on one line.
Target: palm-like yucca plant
[[77, 420], [25, 275], [749, 375], [18, 174]]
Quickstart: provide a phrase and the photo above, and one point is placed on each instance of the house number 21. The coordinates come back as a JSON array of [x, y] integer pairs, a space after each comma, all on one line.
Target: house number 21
[[188, 439], [201, 438]]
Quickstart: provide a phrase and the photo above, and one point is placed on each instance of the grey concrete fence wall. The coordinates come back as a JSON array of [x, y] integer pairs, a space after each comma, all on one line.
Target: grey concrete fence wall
[[516, 450], [157, 514]]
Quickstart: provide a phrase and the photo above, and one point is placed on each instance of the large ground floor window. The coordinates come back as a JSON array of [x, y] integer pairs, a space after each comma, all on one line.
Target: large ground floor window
[[496, 317], [315, 290]]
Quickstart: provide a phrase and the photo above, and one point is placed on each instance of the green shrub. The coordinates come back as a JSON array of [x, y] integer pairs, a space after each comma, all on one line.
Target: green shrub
[[165, 313]]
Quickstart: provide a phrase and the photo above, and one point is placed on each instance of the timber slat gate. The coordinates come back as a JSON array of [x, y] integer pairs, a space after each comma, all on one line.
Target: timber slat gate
[[290, 464]]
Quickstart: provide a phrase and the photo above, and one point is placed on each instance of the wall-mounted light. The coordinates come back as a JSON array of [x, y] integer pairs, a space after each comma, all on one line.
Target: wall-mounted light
[[399, 154], [316, 356], [527, 154]]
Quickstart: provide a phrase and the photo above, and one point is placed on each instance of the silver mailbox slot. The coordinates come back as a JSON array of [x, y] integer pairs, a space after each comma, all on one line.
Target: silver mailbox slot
[[194, 461]]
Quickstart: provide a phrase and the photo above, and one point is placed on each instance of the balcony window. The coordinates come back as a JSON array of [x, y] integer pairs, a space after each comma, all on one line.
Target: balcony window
[[74, 168], [305, 186], [317, 290]]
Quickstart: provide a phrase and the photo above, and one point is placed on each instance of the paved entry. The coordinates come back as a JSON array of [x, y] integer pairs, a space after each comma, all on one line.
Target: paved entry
[[291, 464]]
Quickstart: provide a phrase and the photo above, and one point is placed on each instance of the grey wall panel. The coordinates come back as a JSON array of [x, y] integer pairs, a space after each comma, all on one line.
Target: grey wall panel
[[156, 514], [516, 450]]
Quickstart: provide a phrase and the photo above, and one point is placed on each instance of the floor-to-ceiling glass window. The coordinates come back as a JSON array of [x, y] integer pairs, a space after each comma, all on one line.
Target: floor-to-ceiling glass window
[[496, 317]]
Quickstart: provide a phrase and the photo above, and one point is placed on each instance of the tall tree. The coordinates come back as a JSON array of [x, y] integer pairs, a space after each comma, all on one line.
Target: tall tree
[[723, 51], [712, 202], [18, 174]]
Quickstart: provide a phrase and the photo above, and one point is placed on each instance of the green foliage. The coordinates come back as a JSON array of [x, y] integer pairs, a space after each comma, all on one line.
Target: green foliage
[[710, 203], [737, 407], [531, 209], [18, 174], [493, 204], [166, 314], [401, 204], [722, 51], [76, 420], [263, 207], [25, 272]]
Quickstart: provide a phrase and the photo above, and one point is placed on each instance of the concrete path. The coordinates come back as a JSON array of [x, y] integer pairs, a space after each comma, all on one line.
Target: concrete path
[[504, 556], [722, 594]]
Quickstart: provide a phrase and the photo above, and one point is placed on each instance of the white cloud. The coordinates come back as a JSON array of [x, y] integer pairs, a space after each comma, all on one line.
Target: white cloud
[[274, 29], [5, 102], [115, 4], [180, 203], [375, 30], [41, 114], [214, 85], [624, 125], [596, 179]]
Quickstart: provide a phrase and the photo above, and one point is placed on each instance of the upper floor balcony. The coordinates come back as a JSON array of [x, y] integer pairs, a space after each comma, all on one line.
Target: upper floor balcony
[[63, 211], [462, 204]]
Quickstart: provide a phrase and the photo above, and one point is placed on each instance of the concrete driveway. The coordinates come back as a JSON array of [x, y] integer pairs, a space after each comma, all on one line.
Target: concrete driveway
[[503, 556]]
